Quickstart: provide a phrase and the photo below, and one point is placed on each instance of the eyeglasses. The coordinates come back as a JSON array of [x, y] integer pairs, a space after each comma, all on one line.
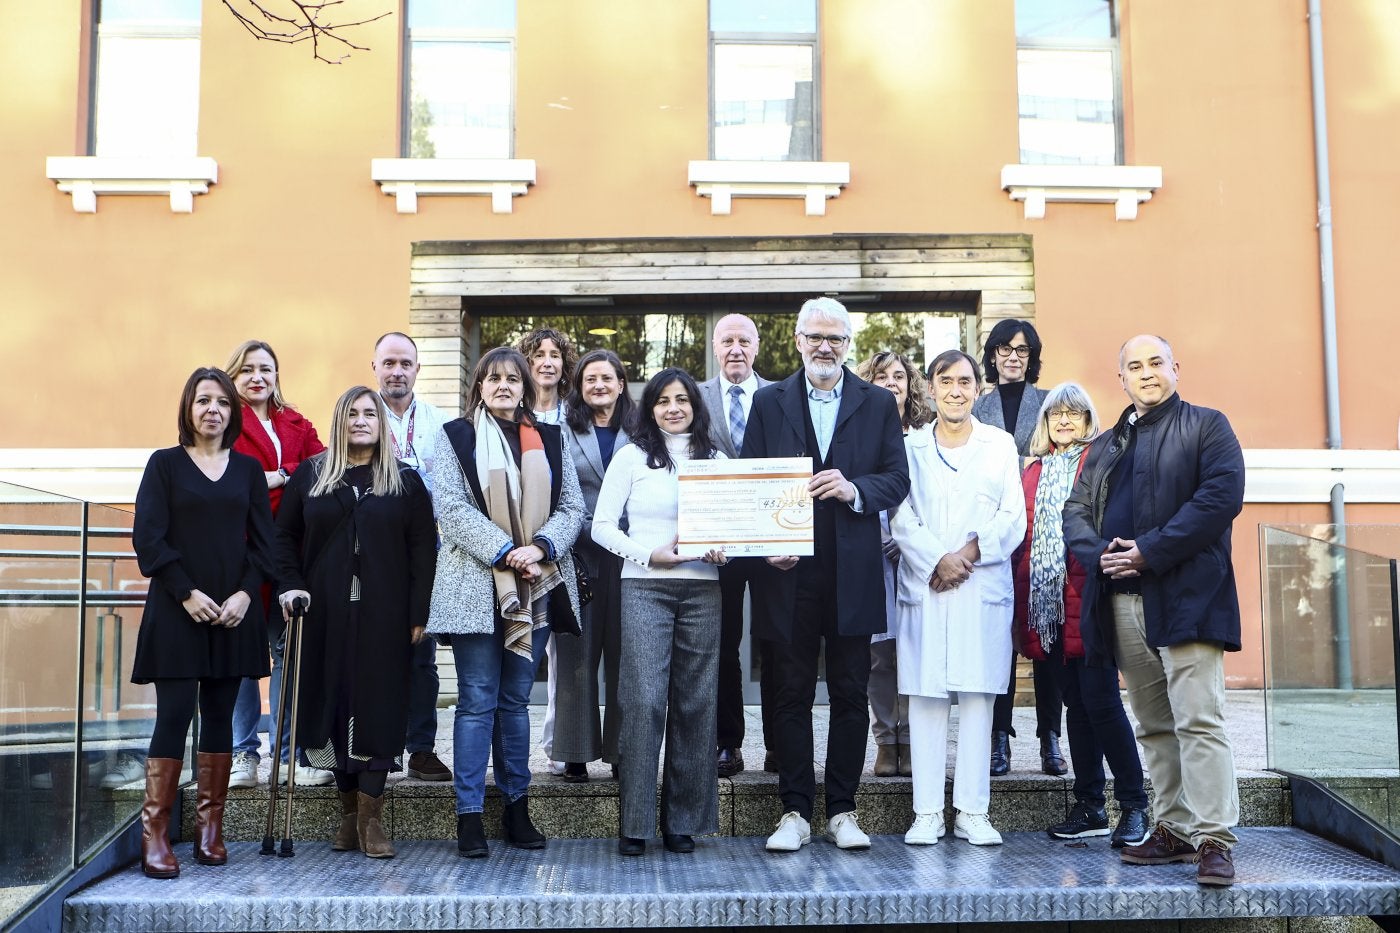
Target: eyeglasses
[[1064, 414], [837, 341], [1006, 349]]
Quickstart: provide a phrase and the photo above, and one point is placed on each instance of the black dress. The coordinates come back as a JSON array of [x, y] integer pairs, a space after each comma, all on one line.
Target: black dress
[[216, 536], [368, 563]]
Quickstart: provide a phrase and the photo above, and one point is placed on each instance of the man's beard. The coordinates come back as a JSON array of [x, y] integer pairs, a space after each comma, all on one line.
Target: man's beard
[[823, 369], [396, 391]]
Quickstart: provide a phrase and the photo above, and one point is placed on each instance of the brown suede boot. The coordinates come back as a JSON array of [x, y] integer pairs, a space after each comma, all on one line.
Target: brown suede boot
[[211, 773], [347, 839], [162, 783], [886, 760], [370, 826]]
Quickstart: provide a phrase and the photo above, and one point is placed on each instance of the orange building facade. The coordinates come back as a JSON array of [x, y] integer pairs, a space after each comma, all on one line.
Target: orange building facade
[[1206, 231]]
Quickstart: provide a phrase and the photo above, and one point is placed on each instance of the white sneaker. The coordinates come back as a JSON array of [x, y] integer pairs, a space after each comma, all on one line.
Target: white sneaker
[[556, 768], [793, 833], [244, 771], [843, 830], [926, 830], [308, 776], [976, 829], [128, 769]]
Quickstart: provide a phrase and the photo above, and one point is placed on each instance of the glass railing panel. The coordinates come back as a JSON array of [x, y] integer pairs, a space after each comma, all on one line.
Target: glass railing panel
[[40, 562], [1329, 615], [117, 715]]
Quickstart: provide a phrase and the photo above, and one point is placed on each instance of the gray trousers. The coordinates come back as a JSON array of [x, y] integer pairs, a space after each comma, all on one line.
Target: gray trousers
[[889, 709], [668, 685], [577, 737]]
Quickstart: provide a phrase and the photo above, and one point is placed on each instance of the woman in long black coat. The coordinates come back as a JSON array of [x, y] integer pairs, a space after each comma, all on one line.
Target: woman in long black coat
[[203, 534], [358, 541]]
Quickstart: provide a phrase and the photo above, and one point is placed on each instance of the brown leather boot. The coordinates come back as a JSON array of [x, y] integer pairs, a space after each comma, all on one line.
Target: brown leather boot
[[886, 760], [211, 773], [162, 783], [347, 839], [370, 826], [906, 761]]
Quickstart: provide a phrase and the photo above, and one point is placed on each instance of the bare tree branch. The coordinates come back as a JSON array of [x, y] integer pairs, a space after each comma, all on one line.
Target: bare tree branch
[[303, 21]]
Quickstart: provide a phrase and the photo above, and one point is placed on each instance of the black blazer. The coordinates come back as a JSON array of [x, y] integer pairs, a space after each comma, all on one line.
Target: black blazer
[[868, 448]]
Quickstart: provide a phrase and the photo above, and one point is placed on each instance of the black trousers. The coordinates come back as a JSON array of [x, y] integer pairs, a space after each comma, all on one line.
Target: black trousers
[[1048, 705], [794, 689], [729, 711]]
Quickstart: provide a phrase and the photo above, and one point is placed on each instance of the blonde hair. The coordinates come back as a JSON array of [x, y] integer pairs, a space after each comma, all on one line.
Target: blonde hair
[[917, 411], [1068, 395], [240, 353], [331, 465]]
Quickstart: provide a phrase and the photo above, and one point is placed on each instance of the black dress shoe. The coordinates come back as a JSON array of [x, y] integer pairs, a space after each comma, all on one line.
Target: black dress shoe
[[770, 762], [1001, 753], [1051, 761], [471, 838], [675, 842], [729, 762], [575, 772], [626, 845]]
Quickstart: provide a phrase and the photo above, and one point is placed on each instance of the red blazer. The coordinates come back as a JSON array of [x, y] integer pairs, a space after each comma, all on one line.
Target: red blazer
[[298, 437], [1024, 639]]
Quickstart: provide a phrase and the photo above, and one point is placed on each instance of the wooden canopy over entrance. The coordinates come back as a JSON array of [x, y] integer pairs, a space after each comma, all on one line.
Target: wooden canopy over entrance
[[453, 282]]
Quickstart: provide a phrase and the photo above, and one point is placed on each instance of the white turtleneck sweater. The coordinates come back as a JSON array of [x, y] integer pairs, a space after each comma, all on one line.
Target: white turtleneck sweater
[[648, 498]]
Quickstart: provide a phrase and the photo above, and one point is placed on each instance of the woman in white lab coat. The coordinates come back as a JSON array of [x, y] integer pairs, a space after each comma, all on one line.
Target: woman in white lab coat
[[964, 517]]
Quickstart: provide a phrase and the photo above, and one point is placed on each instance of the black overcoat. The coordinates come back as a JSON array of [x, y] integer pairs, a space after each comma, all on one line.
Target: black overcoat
[[215, 536], [868, 448], [360, 650]]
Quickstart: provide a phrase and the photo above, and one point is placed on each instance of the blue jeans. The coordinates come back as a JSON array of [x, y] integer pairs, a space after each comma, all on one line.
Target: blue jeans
[[422, 697], [493, 716], [247, 718]]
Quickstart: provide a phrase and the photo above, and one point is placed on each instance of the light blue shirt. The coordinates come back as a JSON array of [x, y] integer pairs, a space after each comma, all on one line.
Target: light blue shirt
[[824, 405]]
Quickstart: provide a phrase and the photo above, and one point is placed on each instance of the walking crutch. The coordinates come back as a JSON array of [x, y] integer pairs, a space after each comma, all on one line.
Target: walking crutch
[[292, 648]]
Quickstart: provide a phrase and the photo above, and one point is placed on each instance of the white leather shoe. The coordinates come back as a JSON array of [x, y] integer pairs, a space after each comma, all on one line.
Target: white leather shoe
[[926, 830], [793, 833], [976, 829], [843, 830]]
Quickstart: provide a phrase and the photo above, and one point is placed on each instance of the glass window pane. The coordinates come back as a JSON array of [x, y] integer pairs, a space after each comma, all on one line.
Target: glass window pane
[[460, 106], [1066, 107], [763, 102], [462, 14], [149, 11], [147, 101], [1064, 19], [787, 16]]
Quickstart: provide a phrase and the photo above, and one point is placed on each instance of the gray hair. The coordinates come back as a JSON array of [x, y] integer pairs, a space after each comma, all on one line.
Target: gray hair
[[1065, 395], [823, 307]]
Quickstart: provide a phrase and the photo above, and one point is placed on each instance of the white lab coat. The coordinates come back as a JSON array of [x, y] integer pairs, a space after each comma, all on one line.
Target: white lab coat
[[959, 640]]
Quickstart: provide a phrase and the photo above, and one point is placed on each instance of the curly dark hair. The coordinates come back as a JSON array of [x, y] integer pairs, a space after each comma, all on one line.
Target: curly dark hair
[[576, 410], [917, 410], [532, 341], [649, 437], [1002, 334]]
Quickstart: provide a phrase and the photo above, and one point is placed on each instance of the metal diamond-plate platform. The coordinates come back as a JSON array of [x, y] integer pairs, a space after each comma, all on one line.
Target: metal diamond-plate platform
[[726, 882]]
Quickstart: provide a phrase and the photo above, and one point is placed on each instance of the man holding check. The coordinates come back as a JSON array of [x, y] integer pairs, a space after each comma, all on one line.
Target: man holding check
[[850, 429]]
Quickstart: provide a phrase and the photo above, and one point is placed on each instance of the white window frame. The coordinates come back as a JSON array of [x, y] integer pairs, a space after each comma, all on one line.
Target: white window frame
[[811, 40], [151, 30], [1110, 45], [450, 35]]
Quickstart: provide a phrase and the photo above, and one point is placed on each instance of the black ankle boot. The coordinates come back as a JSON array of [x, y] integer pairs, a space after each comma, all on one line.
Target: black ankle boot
[[517, 828], [1001, 754], [1051, 761], [471, 838]]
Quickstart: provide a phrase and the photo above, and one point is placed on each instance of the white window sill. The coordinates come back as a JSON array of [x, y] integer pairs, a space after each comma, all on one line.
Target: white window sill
[[406, 179], [179, 178], [1123, 186], [812, 182]]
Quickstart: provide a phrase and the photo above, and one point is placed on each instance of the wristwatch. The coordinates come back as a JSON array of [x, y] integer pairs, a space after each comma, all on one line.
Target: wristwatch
[[285, 475]]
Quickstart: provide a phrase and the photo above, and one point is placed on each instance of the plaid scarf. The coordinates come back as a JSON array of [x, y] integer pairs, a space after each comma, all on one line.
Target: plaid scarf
[[1048, 573], [517, 500]]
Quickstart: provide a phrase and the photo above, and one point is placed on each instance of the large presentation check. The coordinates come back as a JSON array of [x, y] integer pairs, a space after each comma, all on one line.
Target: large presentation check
[[749, 508]]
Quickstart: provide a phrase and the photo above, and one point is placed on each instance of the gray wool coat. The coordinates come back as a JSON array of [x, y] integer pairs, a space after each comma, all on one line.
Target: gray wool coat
[[464, 595]]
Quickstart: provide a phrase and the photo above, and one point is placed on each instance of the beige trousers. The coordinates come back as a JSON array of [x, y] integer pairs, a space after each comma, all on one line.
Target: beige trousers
[[1178, 696]]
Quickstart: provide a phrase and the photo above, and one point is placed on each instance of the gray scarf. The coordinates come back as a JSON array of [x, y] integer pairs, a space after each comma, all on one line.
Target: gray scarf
[[1048, 572]]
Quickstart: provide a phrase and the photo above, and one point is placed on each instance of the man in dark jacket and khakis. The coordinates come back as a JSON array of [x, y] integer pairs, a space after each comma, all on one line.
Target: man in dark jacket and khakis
[[1152, 511]]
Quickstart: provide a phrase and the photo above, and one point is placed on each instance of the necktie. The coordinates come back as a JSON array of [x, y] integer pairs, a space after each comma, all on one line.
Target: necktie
[[736, 417]]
